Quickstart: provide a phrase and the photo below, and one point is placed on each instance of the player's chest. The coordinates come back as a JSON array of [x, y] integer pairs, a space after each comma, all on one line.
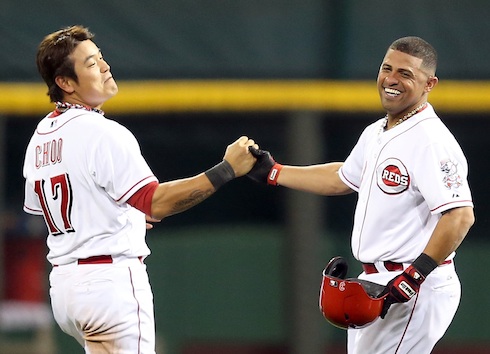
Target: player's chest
[[389, 165]]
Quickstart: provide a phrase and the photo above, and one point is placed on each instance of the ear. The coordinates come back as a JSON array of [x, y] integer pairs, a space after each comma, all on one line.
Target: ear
[[65, 83], [431, 83]]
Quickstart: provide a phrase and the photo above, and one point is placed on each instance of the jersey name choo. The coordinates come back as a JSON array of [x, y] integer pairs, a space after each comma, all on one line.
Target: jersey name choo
[[49, 153]]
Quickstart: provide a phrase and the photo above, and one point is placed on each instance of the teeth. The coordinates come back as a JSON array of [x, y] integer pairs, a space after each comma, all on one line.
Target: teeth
[[392, 91]]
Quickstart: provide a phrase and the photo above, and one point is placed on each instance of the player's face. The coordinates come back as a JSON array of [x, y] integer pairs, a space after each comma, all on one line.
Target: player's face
[[402, 84], [95, 83]]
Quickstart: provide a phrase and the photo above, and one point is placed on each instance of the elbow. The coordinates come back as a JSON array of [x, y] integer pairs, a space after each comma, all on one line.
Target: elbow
[[160, 212], [159, 204], [465, 220], [469, 218]]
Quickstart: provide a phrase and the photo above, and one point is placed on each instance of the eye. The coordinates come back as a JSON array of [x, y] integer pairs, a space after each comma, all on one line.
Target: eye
[[406, 74]]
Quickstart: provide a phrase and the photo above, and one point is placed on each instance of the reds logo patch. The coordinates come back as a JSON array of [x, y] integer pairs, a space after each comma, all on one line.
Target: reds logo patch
[[392, 176], [452, 179]]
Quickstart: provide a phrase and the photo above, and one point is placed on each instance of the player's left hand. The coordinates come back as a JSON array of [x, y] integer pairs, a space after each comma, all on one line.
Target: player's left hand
[[402, 288], [405, 286], [150, 220]]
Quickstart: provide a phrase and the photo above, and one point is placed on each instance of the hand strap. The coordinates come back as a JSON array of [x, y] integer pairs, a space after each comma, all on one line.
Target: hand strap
[[274, 174]]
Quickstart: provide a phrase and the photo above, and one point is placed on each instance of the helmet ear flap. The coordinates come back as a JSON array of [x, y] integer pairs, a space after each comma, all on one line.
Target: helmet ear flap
[[337, 268]]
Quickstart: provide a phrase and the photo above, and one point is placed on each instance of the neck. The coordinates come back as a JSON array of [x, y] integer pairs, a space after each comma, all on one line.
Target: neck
[[391, 122], [62, 107]]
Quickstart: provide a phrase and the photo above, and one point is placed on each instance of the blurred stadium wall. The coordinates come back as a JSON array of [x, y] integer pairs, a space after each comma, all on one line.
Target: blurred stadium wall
[[240, 273]]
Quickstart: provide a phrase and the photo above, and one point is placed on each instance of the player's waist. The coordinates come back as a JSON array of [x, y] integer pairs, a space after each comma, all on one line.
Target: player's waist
[[104, 259], [388, 266]]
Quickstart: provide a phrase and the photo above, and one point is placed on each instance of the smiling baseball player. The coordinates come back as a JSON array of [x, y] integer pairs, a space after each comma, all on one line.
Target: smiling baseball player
[[86, 176], [414, 205]]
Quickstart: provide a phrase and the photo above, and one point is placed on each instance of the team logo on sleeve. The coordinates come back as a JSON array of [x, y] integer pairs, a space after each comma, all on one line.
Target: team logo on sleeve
[[392, 176], [451, 177]]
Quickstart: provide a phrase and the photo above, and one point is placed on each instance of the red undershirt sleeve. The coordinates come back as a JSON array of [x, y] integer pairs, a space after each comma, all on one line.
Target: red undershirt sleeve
[[141, 200]]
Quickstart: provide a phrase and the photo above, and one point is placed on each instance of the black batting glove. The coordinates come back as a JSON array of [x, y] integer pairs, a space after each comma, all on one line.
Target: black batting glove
[[266, 169], [405, 286]]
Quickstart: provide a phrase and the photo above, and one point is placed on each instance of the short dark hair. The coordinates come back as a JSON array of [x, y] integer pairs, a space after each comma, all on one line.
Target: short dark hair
[[419, 48], [52, 57]]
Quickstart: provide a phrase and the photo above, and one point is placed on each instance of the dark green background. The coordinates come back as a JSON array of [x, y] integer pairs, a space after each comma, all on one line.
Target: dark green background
[[219, 271], [165, 39]]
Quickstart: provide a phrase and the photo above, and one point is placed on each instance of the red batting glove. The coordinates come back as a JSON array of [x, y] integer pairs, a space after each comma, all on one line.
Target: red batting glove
[[405, 286]]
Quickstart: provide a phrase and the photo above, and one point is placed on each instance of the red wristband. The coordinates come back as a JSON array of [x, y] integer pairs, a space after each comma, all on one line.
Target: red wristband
[[274, 174]]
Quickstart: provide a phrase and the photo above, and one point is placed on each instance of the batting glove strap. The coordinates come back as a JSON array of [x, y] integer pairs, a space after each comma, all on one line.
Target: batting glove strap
[[274, 174], [220, 174]]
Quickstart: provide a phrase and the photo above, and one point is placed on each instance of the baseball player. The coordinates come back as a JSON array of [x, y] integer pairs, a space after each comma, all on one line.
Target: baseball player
[[86, 176], [414, 204]]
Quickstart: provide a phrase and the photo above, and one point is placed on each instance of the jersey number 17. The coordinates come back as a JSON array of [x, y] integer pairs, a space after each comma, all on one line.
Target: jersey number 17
[[60, 193]]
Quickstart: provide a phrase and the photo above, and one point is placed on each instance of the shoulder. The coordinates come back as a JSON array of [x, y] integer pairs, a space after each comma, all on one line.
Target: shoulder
[[434, 130], [98, 124], [430, 127], [76, 119]]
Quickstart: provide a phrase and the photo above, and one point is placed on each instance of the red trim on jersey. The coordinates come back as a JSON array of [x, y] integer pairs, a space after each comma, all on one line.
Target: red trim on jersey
[[32, 211], [129, 190], [348, 180], [457, 201], [408, 323], [141, 200]]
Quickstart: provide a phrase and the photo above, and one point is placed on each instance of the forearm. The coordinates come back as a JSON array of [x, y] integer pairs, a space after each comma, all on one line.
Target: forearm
[[450, 231], [318, 179], [177, 196], [447, 236]]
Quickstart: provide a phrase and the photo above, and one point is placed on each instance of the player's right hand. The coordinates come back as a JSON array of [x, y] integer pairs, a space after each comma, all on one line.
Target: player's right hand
[[266, 169], [239, 157]]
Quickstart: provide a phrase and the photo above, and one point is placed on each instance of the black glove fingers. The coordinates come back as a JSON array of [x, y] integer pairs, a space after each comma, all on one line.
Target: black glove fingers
[[257, 153]]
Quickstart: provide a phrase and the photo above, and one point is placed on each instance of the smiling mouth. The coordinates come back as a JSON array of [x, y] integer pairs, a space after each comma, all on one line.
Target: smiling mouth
[[392, 92]]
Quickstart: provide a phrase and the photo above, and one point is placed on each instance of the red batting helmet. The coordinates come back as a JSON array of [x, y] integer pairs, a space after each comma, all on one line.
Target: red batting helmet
[[349, 303]]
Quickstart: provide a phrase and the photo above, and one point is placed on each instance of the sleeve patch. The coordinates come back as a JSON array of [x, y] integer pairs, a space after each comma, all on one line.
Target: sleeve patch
[[451, 179]]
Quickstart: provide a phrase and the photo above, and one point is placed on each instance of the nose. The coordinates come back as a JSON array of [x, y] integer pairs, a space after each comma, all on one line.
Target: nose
[[104, 66], [390, 79]]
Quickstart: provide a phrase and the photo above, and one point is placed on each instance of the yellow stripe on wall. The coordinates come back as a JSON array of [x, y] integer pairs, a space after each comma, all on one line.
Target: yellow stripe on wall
[[226, 95]]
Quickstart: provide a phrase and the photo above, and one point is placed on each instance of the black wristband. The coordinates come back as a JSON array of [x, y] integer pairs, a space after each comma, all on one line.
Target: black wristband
[[424, 264], [220, 174]]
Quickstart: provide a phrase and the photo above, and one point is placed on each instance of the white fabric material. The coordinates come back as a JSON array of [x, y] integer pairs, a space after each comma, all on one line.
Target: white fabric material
[[85, 167], [105, 304], [413, 327], [405, 178]]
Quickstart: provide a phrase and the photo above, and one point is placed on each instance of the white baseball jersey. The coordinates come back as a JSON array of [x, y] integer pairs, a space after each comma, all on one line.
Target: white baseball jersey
[[405, 178], [80, 169]]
